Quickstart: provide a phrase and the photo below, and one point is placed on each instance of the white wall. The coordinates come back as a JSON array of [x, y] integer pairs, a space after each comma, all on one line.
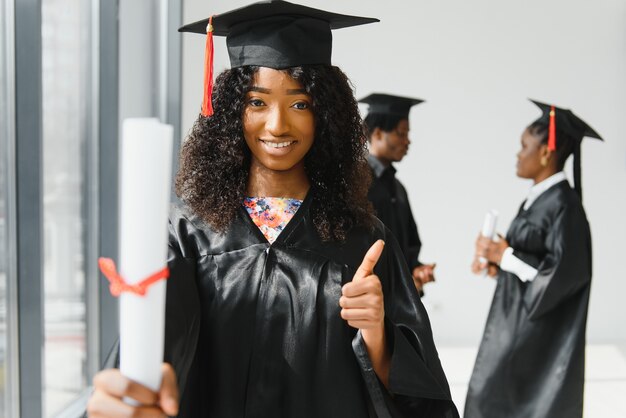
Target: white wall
[[476, 63]]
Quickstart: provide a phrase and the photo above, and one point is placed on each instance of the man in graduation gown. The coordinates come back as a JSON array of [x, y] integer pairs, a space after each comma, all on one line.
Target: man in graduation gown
[[387, 128], [531, 360]]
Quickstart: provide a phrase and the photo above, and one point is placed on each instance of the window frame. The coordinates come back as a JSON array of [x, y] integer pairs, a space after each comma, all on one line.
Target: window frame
[[25, 316], [12, 342]]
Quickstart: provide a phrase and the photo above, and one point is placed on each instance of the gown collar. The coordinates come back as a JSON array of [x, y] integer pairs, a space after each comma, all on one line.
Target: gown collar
[[539, 188], [379, 168]]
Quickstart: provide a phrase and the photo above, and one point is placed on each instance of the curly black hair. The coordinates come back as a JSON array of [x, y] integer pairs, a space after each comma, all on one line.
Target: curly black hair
[[215, 159]]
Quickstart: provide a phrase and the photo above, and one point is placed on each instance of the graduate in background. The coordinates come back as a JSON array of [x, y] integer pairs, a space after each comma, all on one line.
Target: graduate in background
[[387, 129], [531, 361], [287, 297]]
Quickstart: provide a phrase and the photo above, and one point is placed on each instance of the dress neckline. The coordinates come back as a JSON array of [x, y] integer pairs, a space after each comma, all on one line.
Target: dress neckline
[[288, 228]]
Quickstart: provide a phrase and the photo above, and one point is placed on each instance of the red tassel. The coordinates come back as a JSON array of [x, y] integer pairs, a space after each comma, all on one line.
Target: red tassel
[[207, 105], [552, 131]]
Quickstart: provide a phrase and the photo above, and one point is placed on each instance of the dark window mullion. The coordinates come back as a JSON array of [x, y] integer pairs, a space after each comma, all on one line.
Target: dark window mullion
[[29, 218], [108, 163], [172, 77], [91, 204]]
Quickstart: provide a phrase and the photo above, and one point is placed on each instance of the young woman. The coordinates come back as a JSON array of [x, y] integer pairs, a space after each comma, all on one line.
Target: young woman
[[286, 296], [531, 359]]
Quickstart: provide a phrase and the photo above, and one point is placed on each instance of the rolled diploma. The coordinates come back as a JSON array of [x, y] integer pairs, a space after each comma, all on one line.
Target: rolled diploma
[[489, 228], [146, 165]]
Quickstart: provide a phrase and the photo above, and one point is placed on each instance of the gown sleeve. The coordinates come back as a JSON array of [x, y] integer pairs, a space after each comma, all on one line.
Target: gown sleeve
[[414, 244], [417, 384], [182, 306], [182, 309], [566, 268]]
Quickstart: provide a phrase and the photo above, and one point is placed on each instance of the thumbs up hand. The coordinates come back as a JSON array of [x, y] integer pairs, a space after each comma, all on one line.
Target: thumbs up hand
[[363, 307], [362, 299]]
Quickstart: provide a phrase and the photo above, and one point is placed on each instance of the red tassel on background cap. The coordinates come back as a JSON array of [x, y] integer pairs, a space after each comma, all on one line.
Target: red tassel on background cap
[[552, 131], [207, 105]]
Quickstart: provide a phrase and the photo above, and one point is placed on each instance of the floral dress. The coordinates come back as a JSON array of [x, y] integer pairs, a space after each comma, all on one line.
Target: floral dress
[[271, 214]]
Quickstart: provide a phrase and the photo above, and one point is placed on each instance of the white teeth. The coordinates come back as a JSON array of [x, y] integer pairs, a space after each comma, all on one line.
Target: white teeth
[[278, 144]]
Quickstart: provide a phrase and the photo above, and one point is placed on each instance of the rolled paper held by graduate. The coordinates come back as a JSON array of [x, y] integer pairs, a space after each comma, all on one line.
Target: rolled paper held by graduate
[[489, 229], [145, 184]]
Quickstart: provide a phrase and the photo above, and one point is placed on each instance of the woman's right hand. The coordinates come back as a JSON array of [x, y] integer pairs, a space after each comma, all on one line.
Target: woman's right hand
[[480, 263], [478, 266], [110, 387]]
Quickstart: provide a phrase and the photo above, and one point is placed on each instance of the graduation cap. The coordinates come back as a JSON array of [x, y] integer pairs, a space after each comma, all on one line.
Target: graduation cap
[[273, 33], [571, 128], [388, 104]]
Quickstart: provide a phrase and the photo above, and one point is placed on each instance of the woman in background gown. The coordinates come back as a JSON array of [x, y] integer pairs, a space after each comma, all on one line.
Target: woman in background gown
[[532, 356]]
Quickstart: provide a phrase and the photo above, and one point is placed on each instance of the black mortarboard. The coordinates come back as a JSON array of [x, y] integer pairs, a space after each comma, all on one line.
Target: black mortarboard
[[566, 121], [387, 104], [275, 34], [570, 127]]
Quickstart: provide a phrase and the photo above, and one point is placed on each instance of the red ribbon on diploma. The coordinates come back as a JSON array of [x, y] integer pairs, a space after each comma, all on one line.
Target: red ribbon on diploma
[[119, 285]]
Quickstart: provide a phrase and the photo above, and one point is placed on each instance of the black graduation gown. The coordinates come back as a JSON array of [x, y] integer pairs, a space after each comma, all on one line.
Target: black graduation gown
[[532, 357], [254, 330], [391, 204]]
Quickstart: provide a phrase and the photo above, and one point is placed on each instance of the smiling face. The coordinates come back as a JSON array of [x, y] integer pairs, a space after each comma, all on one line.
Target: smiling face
[[278, 121]]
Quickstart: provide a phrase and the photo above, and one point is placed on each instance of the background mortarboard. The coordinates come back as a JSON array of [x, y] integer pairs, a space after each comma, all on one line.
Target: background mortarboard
[[574, 128], [388, 104], [566, 121]]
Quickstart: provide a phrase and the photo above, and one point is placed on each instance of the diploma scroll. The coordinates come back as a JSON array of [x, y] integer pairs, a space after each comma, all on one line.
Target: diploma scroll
[[489, 229], [145, 184]]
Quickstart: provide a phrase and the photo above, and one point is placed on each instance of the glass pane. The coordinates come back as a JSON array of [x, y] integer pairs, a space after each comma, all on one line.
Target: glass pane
[[65, 60], [4, 137]]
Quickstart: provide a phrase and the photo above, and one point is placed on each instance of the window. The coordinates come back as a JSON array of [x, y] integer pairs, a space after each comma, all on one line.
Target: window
[[6, 140], [57, 217], [65, 83]]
